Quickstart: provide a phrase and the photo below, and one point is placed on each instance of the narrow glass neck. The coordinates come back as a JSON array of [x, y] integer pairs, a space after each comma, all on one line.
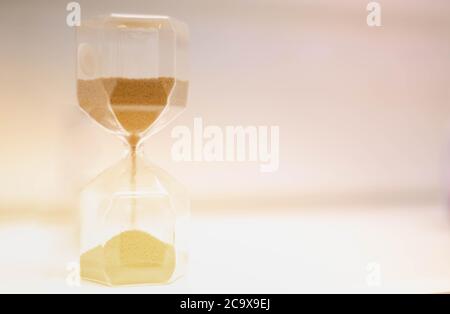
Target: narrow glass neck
[[134, 144]]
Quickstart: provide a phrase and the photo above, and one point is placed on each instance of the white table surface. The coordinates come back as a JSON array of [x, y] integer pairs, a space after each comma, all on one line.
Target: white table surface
[[362, 250]]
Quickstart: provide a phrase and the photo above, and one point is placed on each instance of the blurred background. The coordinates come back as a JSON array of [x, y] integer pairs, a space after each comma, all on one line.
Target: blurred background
[[363, 111]]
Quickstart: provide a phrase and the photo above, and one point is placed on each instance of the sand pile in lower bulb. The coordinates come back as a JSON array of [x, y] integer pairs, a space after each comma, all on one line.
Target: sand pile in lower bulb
[[132, 257]]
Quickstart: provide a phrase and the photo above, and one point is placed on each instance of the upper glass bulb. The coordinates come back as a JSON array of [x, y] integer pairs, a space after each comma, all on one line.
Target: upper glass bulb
[[132, 72]]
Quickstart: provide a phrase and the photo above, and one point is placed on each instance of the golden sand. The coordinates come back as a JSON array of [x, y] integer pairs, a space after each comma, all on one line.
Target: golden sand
[[132, 257], [134, 103]]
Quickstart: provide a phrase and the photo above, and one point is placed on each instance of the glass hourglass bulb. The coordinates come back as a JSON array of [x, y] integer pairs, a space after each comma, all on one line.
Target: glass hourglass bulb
[[132, 80]]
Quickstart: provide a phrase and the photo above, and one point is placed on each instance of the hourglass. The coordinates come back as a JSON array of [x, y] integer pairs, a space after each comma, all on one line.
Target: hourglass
[[132, 80]]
